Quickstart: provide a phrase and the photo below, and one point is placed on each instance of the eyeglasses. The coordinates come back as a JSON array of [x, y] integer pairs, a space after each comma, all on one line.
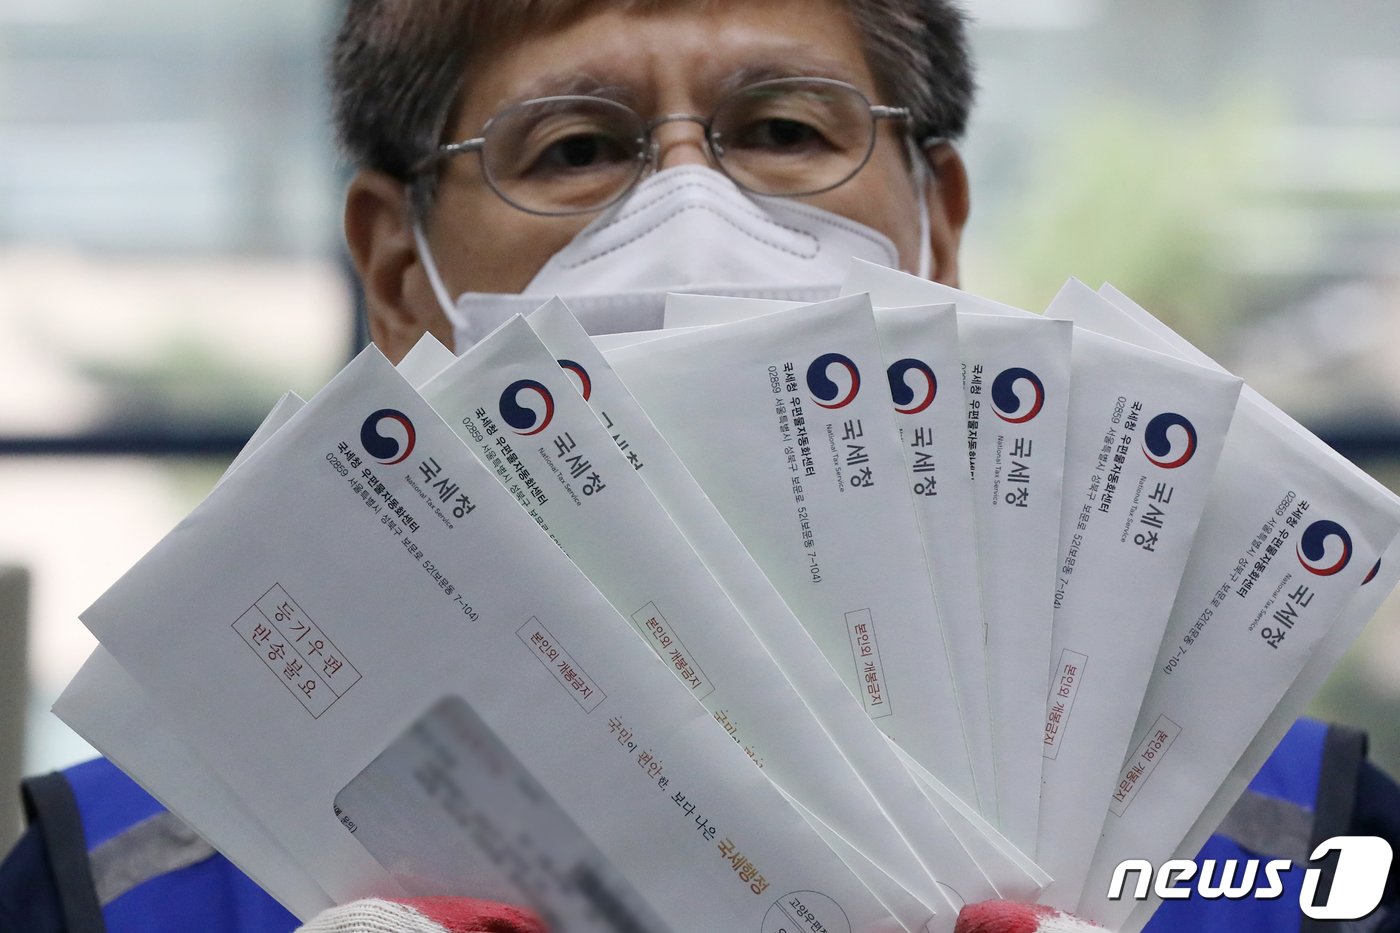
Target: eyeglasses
[[577, 154]]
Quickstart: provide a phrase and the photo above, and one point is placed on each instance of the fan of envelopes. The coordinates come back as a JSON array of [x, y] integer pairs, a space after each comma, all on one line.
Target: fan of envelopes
[[824, 618]]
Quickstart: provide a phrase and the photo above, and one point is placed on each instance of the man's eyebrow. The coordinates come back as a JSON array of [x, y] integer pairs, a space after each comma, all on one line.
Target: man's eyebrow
[[585, 83], [595, 82], [801, 65]]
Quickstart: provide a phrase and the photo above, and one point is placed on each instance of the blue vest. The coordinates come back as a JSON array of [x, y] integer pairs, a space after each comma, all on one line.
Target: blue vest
[[118, 862], [1303, 795]]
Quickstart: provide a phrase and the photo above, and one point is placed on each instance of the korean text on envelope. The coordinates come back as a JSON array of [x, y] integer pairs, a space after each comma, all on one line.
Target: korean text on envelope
[[923, 821], [317, 603], [517, 409], [1287, 536], [920, 343], [1145, 433], [1016, 377], [779, 421]]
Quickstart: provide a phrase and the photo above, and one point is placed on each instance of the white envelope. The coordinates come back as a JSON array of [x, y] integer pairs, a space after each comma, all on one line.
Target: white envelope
[[1017, 537], [922, 341], [288, 405], [424, 360], [954, 568], [516, 408], [110, 710], [685, 311], [891, 288], [1018, 876], [807, 470], [925, 829], [1263, 566], [896, 899], [607, 342], [167, 769], [1016, 386], [290, 535], [1363, 607], [1145, 433], [922, 359]]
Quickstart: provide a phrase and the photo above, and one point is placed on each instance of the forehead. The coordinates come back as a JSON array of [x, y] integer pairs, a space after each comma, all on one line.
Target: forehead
[[662, 54]]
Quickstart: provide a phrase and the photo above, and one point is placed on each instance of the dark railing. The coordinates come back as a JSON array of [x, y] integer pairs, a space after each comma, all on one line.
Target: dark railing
[[1358, 443]]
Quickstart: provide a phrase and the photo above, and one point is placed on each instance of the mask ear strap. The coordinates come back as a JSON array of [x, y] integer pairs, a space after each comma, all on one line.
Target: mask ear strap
[[922, 176], [425, 256]]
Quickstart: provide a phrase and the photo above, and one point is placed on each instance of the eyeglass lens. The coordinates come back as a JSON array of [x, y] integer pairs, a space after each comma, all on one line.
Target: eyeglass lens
[[792, 137], [573, 154], [564, 155]]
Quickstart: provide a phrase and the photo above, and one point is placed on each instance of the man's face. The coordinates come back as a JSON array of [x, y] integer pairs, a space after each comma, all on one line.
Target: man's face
[[678, 59]]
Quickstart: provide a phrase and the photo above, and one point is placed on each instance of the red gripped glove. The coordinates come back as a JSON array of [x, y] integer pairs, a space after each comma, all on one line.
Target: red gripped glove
[[423, 915], [465, 915], [1009, 917]]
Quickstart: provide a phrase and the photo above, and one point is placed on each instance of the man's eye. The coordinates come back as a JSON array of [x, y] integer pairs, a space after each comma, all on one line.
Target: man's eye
[[780, 135], [581, 151]]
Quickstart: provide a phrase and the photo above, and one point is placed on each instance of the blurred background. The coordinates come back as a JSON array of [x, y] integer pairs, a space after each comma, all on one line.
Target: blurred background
[[171, 258]]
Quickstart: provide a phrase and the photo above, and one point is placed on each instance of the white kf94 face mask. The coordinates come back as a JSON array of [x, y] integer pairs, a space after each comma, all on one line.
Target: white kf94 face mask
[[684, 229]]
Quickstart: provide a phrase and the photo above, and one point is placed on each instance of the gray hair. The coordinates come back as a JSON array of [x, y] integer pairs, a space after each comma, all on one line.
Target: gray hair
[[396, 65]]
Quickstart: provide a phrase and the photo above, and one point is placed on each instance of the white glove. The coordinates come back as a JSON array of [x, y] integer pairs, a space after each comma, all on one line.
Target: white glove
[[423, 915]]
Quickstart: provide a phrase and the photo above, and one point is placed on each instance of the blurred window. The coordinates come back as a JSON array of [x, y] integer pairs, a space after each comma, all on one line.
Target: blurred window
[[170, 263]]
